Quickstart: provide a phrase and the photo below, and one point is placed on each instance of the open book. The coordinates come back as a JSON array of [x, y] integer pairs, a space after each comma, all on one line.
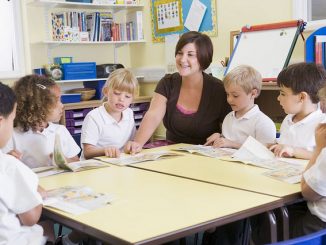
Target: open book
[[255, 153], [76, 199], [126, 159], [208, 151], [60, 164]]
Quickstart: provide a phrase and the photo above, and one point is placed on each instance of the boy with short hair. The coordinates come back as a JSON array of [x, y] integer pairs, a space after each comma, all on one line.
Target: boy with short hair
[[299, 84], [310, 217], [242, 86], [20, 201]]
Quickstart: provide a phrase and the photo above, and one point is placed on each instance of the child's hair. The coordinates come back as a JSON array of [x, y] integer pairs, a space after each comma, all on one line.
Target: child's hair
[[7, 100], [121, 79], [246, 77], [34, 101], [303, 77]]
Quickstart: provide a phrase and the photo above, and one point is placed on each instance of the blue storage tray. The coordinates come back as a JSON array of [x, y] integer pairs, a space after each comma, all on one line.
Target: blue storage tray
[[80, 1], [80, 70], [70, 98]]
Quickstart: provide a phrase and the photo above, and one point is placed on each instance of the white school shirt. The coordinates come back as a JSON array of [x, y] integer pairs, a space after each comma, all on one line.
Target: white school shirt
[[101, 129], [315, 177], [302, 133], [37, 147], [18, 194], [254, 123]]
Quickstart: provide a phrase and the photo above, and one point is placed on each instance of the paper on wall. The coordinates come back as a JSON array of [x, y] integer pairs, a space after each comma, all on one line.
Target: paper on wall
[[195, 15]]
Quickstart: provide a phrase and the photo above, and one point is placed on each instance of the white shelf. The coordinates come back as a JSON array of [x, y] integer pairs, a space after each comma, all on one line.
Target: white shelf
[[92, 42], [62, 4], [83, 80]]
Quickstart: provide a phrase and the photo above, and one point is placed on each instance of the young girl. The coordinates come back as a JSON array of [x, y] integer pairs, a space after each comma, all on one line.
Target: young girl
[[109, 127], [38, 106]]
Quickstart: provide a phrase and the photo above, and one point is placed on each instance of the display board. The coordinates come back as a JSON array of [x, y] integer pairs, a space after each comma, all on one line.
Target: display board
[[169, 16], [267, 48]]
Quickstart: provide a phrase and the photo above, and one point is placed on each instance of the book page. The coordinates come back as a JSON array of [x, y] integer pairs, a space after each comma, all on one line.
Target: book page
[[76, 199], [126, 159], [86, 164], [208, 151], [289, 174]]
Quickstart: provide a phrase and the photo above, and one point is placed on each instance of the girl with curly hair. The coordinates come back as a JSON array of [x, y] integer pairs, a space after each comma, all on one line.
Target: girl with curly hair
[[38, 107]]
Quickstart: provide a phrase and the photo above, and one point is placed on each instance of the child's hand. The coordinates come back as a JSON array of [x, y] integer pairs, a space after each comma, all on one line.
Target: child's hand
[[132, 147], [210, 140], [282, 150], [16, 154], [223, 142], [42, 192], [320, 135], [112, 152]]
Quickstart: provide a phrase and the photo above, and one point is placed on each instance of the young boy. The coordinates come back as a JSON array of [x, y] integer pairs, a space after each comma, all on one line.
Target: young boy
[[299, 84], [310, 217], [242, 86], [20, 201], [109, 127]]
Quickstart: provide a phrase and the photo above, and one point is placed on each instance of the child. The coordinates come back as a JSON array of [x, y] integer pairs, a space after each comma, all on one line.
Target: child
[[38, 106], [109, 127], [310, 217], [242, 86], [299, 84], [20, 202]]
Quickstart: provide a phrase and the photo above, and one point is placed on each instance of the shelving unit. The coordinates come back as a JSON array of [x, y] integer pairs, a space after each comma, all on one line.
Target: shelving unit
[[74, 113], [52, 6]]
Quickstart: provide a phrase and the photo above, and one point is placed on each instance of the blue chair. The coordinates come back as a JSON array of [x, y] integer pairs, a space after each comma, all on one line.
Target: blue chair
[[317, 238]]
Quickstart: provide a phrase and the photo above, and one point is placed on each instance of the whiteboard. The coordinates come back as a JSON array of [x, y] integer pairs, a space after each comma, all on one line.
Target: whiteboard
[[265, 50]]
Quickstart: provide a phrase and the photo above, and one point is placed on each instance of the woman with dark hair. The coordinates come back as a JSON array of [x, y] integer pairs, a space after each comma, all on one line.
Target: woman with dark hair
[[191, 103]]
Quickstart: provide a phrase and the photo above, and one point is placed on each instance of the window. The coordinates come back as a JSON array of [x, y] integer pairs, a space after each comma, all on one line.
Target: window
[[11, 41], [312, 11]]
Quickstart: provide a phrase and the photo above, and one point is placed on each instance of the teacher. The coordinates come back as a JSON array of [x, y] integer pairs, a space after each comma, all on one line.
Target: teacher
[[191, 103]]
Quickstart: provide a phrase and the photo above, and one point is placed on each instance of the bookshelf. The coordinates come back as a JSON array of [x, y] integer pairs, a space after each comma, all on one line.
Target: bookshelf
[[315, 47], [74, 29]]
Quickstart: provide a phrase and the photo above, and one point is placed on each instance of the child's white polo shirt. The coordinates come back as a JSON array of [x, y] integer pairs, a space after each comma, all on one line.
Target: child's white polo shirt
[[302, 133], [101, 129], [19, 195], [315, 177], [254, 123], [37, 147]]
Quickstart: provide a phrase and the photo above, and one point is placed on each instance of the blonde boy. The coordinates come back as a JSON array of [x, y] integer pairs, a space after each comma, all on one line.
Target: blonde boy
[[109, 127], [299, 85], [242, 86]]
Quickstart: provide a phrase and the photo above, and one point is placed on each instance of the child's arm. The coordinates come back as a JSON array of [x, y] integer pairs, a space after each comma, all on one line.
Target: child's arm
[[289, 151], [91, 151], [16, 154], [31, 217], [320, 137], [210, 140], [224, 142]]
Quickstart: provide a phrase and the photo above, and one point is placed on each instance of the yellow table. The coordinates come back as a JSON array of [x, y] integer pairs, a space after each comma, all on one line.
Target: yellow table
[[215, 171], [154, 208]]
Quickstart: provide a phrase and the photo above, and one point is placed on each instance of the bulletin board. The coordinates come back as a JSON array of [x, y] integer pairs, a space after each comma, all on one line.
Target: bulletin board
[[168, 17]]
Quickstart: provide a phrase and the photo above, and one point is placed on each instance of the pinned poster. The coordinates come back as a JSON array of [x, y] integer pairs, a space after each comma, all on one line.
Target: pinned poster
[[195, 15]]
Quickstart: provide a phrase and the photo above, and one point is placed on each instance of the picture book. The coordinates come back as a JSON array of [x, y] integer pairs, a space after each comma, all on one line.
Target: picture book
[[76, 199], [60, 164], [254, 153], [208, 151], [126, 159]]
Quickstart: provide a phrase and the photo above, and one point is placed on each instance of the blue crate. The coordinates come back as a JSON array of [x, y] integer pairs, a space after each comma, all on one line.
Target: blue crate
[[79, 70], [97, 85], [70, 98]]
